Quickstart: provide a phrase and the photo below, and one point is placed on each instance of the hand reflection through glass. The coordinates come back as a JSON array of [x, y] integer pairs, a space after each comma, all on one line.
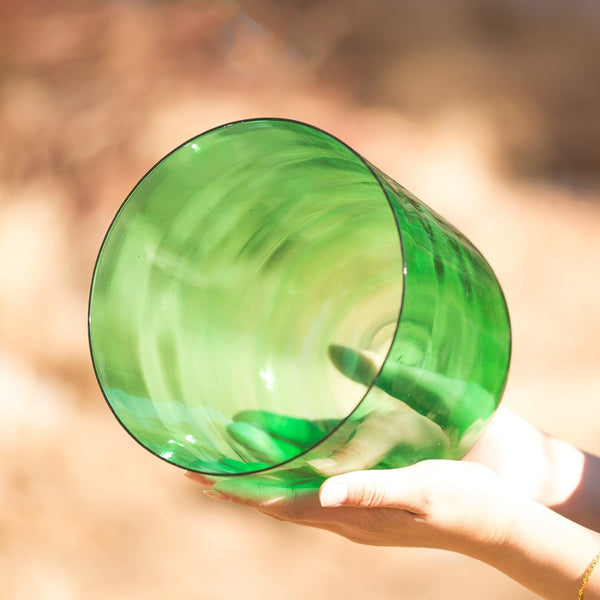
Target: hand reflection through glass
[[391, 434]]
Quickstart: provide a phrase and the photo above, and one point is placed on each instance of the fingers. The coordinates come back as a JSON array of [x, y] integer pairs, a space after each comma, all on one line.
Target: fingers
[[452, 401], [361, 489], [394, 425], [264, 447], [298, 503], [199, 479], [360, 366], [302, 432], [304, 506], [406, 489]]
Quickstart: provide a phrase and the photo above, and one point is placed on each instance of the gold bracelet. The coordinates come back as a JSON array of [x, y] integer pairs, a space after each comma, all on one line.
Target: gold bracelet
[[587, 574]]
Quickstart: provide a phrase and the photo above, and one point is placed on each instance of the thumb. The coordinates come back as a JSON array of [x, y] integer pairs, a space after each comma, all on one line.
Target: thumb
[[370, 489], [366, 489]]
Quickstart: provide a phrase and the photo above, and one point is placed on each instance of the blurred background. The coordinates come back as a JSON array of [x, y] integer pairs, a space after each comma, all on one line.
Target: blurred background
[[486, 110]]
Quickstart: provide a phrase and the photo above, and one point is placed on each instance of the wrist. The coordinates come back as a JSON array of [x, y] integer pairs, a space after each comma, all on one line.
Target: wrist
[[543, 551]]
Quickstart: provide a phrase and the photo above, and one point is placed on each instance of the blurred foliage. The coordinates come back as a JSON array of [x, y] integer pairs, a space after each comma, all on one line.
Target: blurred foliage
[[532, 65], [90, 69]]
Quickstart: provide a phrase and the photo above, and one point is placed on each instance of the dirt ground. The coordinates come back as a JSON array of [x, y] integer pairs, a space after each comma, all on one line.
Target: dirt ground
[[487, 115]]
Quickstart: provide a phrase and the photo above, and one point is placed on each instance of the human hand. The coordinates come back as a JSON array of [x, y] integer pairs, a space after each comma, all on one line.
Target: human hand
[[451, 403], [452, 505], [389, 433], [548, 470]]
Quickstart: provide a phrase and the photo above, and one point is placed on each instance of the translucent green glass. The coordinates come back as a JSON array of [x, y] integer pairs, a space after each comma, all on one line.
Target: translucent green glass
[[267, 301]]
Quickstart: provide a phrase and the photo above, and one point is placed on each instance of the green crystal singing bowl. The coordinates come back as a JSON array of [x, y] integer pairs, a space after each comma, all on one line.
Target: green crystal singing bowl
[[268, 302]]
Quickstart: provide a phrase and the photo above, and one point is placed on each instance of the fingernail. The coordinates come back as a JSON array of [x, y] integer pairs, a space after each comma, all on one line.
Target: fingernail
[[197, 478], [333, 494], [325, 466], [217, 495]]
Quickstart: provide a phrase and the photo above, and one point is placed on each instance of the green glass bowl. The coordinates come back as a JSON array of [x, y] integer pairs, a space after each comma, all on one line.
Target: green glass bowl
[[267, 301]]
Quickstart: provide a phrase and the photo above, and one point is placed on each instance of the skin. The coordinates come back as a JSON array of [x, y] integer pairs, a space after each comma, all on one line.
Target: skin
[[521, 501]]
